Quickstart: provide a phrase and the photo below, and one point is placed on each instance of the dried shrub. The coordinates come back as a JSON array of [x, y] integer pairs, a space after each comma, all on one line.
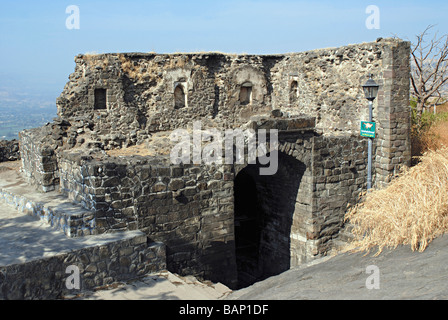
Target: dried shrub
[[97, 60], [437, 136], [178, 62], [137, 71], [412, 210], [430, 132]]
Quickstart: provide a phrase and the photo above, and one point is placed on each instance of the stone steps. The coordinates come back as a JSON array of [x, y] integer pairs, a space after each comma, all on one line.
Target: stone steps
[[36, 263], [51, 207], [34, 259], [35, 254]]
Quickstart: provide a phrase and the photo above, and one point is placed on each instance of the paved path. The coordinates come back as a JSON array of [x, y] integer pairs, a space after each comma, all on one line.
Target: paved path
[[403, 274], [160, 286]]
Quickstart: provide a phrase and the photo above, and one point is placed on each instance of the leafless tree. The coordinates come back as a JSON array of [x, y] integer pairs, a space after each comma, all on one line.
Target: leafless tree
[[429, 69]]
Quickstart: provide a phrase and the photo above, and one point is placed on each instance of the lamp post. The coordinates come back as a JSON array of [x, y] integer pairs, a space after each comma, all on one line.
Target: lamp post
[[370, 91]]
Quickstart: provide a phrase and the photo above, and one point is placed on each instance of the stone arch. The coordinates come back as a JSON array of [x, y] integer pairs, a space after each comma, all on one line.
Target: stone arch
[[180, 99], [264, 210], [245, 75]]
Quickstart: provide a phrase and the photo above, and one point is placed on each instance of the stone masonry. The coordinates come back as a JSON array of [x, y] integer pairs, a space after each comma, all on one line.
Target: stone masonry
[[98, 266], [9, 150], [225, 222]]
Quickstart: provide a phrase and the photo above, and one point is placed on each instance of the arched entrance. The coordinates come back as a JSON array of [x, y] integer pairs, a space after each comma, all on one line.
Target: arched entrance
[[264, 211], [247, 228], [179, 97]]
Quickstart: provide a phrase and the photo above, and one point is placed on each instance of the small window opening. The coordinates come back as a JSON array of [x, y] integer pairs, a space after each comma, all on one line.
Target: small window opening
[[179, 97], [100, 99], [293, 93], [246, 93]]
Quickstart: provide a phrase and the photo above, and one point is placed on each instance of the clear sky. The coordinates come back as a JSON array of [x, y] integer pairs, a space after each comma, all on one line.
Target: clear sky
[[37, 49]]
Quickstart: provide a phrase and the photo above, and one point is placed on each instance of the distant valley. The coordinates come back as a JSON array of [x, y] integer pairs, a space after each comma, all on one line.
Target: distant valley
[[23, 112], [12, 121]]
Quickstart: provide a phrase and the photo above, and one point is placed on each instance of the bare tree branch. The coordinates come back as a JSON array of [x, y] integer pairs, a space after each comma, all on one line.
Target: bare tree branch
[[429, 68]]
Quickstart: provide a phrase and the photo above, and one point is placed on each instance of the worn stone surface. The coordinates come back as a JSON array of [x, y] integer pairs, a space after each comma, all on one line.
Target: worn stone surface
[[402, 275], [9, 150], [162, 285], [33, 259]]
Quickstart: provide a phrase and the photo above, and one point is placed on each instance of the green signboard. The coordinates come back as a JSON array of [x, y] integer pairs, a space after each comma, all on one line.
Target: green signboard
[[367, 129]]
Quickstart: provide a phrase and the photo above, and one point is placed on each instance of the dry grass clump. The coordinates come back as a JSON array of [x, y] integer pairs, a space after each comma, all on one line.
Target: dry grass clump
[[95, 59], [128, 67], [437, 136], [144, 71], [178, 62], [431, 133], [137, 71], [158, 144], [413, 209], [90, 58]]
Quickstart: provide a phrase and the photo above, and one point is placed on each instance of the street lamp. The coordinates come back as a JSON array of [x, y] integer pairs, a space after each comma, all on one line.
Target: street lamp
[[370, 91], [370, 88]]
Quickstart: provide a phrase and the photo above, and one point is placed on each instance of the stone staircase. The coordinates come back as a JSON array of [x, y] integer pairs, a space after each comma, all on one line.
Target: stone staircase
[[42, 234], [51, 207]]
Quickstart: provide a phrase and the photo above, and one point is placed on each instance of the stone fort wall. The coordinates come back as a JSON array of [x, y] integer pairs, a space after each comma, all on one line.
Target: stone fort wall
[[137, 93], [315, 99]]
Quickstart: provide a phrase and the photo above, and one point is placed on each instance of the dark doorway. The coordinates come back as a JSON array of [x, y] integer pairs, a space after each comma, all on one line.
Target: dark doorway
[[264, 211], [100, 99], [247, 229]]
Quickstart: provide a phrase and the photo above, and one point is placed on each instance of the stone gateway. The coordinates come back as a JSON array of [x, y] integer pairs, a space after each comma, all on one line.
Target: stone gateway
[[109, 151]]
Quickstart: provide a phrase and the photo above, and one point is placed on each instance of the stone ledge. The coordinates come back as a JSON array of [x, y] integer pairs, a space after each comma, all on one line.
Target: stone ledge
[[50, 207], [105, 259]]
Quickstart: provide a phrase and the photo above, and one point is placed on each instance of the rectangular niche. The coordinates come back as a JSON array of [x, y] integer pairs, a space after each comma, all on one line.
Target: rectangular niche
[[100, 102], [246, 93]]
